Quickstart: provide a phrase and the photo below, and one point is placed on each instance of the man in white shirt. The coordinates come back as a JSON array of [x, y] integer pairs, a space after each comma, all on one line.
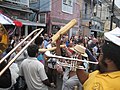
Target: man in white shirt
[[33, 71]]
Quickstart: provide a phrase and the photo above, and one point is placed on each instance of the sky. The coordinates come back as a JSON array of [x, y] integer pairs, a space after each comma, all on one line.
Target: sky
[[117, 2]]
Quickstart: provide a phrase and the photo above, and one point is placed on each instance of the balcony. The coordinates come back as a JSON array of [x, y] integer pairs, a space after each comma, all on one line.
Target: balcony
[[22, 2]]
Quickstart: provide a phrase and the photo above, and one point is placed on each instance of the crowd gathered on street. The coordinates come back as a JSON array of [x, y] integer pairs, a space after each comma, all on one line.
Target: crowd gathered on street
[[40, 72]]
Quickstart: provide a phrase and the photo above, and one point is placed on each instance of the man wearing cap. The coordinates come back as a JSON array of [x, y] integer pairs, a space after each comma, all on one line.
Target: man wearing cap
[[107, 76], [70, 79]]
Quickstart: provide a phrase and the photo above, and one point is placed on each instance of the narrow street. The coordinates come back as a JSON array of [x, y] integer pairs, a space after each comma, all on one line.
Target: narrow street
[[59, 44]]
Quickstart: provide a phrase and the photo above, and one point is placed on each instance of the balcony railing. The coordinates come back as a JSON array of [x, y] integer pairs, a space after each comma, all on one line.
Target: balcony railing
[[23, 2]]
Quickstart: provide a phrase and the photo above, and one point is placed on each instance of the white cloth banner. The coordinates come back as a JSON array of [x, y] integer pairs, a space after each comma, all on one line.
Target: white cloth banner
[[5, 20]]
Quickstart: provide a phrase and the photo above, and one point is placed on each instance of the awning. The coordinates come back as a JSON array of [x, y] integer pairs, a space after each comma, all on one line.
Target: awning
[[5, 20], [30, 23]]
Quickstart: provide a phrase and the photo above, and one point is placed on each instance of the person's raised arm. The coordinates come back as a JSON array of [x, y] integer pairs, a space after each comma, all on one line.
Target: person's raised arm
[[58, 50], [69, 54]]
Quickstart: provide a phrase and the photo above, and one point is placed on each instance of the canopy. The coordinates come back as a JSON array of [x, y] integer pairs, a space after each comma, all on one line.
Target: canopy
[[5, 20], [30, 23]]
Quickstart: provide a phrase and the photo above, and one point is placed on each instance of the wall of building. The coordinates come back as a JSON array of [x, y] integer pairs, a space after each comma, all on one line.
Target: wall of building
[[60, 17], [17, 10]]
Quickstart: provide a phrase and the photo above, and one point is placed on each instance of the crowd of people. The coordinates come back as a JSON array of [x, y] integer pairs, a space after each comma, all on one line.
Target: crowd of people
[[40, 71]]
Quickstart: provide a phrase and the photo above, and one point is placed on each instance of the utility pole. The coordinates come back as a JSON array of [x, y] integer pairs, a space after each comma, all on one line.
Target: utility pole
[[112, 14]]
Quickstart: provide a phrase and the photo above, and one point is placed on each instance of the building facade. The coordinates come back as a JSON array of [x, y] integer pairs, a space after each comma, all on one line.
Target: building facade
[[91, 17], [19, 10], [107, 13], [96, 16], [57, 13]]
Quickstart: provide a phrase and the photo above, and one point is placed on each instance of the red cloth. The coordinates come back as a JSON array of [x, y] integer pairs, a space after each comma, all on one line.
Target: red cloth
[[18, 23], [70, 50]]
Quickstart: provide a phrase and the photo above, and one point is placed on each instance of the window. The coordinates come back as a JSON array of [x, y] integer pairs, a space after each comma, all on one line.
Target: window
[[33, 1], [67, 6], [67, 2], [55, 28], [85, 8], [42, 18]]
